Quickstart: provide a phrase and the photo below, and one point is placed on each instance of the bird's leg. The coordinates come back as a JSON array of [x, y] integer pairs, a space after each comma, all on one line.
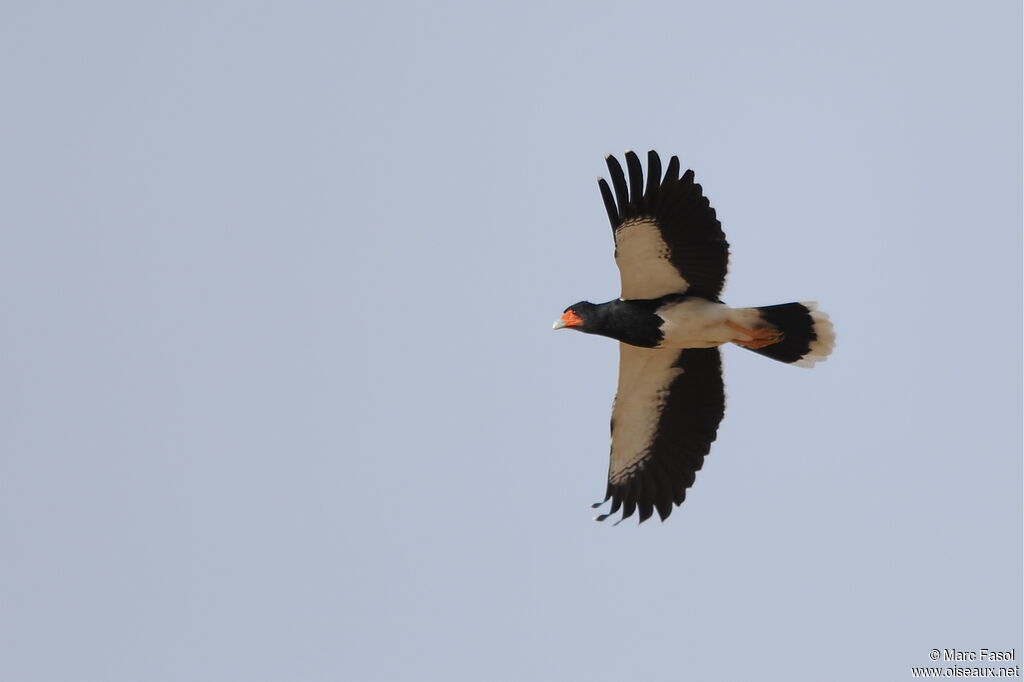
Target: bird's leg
[[759, 338]]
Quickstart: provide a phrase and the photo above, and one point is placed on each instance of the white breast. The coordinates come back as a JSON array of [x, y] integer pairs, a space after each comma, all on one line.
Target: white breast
[[696, 323]]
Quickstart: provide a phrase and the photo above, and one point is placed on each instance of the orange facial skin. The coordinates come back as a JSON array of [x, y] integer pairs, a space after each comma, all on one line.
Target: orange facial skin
[[571, 319]]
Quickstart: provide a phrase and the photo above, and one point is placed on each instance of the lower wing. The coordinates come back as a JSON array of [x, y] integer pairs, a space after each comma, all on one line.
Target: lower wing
[[666, 415]]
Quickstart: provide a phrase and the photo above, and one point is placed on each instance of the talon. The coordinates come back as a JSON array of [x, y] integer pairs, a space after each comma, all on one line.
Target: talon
[[759, 338]]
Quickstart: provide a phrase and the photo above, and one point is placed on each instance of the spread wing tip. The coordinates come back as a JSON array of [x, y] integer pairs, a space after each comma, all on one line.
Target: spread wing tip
[[645, 508]]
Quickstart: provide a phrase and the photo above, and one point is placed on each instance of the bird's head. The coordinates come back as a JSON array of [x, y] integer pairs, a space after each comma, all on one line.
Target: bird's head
[[576, 316]]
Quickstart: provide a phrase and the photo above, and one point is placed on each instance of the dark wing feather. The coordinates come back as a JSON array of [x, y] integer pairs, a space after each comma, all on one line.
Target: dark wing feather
[[666, 415], [667, 237], [653, 174]]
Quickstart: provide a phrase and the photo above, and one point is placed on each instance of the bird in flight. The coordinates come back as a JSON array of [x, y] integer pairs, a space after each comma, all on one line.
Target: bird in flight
[[669, 322]]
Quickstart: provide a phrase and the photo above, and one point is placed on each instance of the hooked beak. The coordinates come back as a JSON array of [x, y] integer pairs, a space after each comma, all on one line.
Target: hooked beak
[[568, 319]]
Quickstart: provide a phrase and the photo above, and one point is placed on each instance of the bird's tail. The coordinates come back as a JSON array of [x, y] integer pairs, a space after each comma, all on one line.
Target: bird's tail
[[807, 334]]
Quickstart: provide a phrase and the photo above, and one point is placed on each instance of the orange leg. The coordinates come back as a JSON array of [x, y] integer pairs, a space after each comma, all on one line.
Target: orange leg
[[759, 338]]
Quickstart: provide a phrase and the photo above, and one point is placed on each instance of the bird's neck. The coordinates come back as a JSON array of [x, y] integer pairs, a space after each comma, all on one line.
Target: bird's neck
[[631, 321]]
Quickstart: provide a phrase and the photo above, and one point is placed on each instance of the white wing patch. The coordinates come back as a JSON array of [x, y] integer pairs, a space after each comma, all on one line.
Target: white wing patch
[[644, 266], [645, 375]]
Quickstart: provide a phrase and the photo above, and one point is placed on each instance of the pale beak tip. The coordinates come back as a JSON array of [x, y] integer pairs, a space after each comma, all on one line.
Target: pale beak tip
[[559, 323]]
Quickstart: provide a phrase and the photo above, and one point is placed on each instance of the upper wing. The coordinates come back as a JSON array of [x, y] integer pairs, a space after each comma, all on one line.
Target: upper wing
[[666, 414], [667, 238]]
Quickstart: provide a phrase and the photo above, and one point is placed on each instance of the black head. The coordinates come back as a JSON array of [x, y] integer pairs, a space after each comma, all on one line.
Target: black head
[[632, 322], [577, 316]]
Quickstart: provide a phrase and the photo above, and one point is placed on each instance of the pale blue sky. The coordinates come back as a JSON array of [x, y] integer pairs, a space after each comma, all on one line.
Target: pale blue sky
[[280, 396]]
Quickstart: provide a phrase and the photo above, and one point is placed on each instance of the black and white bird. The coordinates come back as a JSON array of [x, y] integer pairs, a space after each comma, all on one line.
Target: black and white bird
[[669, 321]]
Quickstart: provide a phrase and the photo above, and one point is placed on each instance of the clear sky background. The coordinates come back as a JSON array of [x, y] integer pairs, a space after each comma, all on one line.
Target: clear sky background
[[280, 399]]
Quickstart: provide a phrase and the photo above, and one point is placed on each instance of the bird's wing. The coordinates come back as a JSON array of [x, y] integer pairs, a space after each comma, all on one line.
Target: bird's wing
[[667, 238], [666, 414]]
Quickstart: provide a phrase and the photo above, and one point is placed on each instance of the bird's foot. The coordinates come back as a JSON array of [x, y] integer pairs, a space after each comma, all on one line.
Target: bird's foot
[[759, 338]]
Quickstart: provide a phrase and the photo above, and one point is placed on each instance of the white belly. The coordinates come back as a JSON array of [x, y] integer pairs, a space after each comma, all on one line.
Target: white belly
[[696, 323]]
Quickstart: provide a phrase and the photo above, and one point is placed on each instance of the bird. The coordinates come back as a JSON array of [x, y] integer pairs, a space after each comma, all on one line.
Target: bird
[[670, 323]]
